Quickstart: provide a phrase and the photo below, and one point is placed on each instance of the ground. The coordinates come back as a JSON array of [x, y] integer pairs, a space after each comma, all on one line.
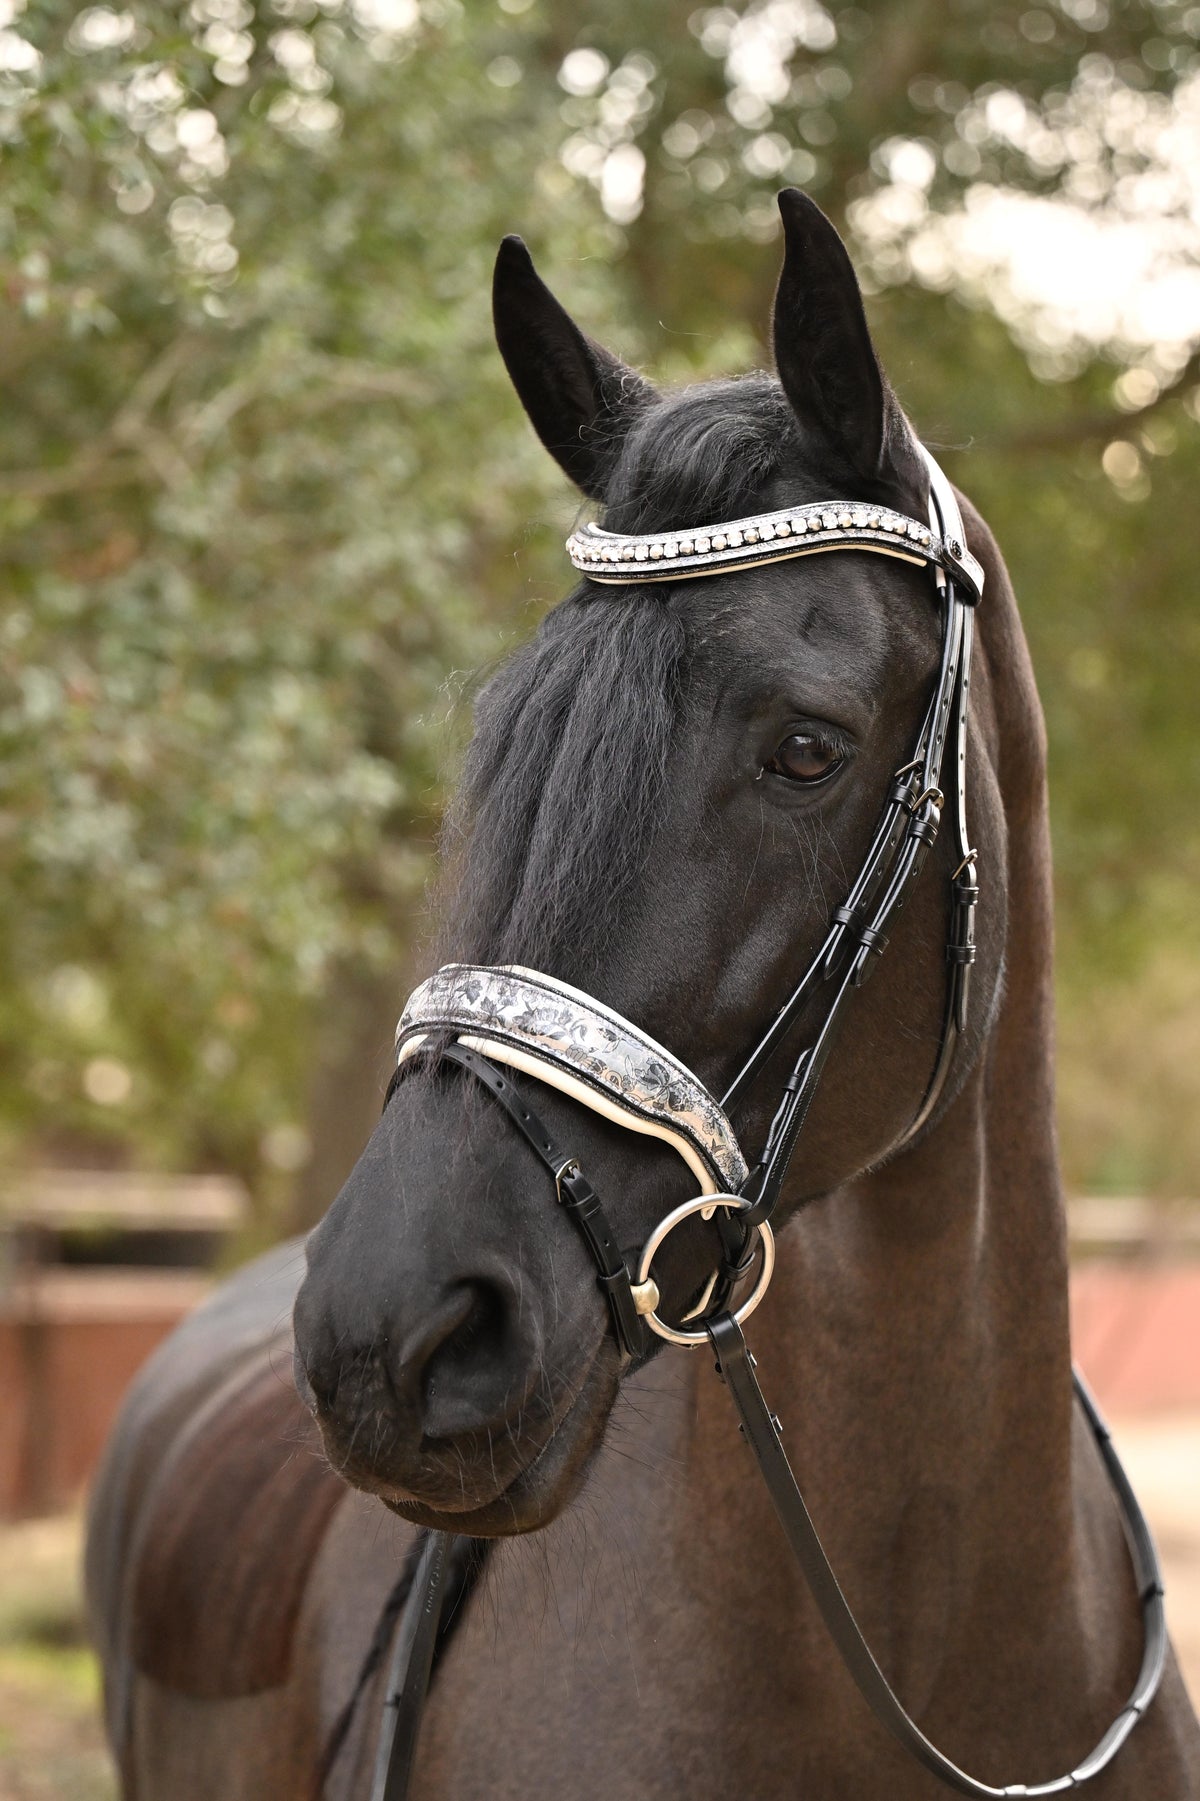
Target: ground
[[1163, 1459], [51, 1747]]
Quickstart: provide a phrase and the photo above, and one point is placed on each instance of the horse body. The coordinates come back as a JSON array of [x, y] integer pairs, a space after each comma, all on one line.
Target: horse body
[[233, 1579], [652, 1637]]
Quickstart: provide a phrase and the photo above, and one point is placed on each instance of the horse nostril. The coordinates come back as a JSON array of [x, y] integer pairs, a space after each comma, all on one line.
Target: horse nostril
[[469, 1362], [478, 1335], [320, 1382]]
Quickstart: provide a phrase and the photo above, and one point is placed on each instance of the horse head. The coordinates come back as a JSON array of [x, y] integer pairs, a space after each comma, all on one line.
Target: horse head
[[667, 792]]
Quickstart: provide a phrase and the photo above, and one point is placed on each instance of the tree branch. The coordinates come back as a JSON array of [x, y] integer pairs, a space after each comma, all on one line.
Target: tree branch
[[130, 451], [1088, 428], [77, 477]]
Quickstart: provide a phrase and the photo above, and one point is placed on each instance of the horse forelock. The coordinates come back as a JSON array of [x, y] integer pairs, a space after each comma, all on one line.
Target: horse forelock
[[564, 783]]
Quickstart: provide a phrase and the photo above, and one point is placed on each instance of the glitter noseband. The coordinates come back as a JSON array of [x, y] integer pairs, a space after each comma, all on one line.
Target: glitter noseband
[[480, 1017], [547, 1029], [571, 1042]]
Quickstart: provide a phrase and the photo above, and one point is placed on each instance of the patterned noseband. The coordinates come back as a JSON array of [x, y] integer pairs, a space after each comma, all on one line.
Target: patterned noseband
[[550, 1030]]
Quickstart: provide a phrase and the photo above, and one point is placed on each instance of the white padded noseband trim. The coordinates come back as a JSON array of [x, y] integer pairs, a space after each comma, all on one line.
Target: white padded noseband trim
[[576, 1090]]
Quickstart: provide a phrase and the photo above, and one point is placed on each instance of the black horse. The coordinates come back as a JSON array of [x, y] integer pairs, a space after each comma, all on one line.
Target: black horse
[[667, 791]]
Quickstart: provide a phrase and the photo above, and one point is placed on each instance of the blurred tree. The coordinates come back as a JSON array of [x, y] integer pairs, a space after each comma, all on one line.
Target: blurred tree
[[263, 485], [263, 493]]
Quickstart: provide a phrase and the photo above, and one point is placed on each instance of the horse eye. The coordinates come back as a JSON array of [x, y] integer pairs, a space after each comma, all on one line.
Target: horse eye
[[804, 758]]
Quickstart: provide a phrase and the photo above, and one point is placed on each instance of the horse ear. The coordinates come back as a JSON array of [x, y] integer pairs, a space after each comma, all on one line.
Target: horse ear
[[823, 349], [579, 397]]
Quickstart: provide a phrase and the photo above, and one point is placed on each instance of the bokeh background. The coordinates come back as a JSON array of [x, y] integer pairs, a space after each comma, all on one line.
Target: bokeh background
[[267, 504], [265, 492]]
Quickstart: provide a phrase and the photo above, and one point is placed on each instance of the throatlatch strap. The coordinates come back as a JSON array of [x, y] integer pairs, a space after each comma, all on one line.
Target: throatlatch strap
[[761, 1428]]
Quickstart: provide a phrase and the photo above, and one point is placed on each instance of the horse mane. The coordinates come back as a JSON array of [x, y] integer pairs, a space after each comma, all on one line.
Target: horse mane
[[564, 779]]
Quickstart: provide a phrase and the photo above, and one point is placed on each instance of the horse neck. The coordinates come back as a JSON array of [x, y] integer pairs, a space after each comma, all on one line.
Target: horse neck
[[922, 1308], [916, 1341], [944, 1274]]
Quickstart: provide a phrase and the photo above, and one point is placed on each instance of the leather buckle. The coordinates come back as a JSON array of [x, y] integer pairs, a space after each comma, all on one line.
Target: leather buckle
[[565, 1171]]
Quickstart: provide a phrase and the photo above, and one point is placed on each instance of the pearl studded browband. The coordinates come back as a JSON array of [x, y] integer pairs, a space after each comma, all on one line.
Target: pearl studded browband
[[613, 557]]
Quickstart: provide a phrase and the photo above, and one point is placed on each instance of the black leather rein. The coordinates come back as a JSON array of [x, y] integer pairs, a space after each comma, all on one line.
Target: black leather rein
[[736, 1368], [419, 1636]]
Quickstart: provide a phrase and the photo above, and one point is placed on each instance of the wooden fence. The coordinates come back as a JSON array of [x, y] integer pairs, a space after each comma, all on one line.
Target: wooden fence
[[73, 1337]]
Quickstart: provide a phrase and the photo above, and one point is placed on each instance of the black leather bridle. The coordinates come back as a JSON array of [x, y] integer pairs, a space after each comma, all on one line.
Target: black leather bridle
[[907, 829]]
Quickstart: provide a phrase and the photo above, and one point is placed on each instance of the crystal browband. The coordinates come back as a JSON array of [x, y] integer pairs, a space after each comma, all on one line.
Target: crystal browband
[[606, 556]]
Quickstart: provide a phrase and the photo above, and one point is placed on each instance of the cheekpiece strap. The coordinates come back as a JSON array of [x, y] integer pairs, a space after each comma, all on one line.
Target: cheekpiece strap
[[533, 1022], [623, 557]]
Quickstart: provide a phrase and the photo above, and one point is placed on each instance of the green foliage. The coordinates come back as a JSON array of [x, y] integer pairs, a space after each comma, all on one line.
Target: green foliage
[[265, 497], [242, 555]]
